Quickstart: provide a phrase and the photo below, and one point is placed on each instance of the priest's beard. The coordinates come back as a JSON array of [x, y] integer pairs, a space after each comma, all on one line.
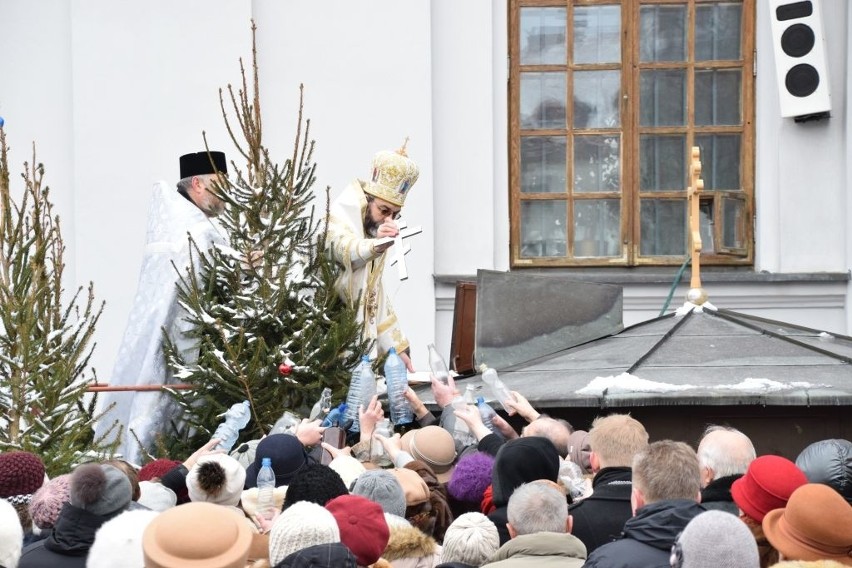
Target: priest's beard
[[371, 228]]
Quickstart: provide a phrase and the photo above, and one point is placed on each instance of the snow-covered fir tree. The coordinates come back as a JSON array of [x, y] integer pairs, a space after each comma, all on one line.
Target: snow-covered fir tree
[[44, 338], [269, 324]]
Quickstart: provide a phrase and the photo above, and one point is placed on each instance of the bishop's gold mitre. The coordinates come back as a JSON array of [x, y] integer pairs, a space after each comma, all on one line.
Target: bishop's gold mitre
[[393, 175]]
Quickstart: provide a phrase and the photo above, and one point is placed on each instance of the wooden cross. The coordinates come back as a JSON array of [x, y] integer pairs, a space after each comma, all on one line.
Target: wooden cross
[[400, 247], [696, 294]]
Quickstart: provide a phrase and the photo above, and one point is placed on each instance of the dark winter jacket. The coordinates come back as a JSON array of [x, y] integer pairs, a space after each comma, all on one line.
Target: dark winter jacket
[[829, 462], [69, 543], [648, 537], [519, 461], [600, 517], [717, 495], [334, 554]]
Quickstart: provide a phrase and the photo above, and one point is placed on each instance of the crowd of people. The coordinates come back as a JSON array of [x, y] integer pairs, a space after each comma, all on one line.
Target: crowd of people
[[502, 499]]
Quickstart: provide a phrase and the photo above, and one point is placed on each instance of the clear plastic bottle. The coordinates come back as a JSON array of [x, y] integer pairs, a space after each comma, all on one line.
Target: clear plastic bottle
[[286, 424], [236, 418], [437, 365], [322, 406], [498, 389], [471, 392], [378, 455], [461, 432], [266, 489], [353, 398], [487, 413], [368, 384], [396, 376]]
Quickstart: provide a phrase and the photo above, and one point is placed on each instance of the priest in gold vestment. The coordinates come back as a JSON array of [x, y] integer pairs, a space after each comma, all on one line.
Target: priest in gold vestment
[[361, 228]]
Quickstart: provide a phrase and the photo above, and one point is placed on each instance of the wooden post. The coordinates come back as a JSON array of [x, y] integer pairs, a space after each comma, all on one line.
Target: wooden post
[[696, 294]]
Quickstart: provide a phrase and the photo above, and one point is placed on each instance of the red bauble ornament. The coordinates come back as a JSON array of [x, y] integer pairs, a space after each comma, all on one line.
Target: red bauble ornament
[[285, 369]]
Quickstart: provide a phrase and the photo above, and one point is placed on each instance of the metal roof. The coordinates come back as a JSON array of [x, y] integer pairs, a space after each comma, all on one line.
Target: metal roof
[[703, 357]]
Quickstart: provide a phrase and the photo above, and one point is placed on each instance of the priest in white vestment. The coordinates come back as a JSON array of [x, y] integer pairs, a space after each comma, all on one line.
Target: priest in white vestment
[[174, 217], [362, 222]]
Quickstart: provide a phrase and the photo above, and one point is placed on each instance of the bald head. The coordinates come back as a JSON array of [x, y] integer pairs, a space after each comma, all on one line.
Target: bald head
[[554, 430], [722, 452]]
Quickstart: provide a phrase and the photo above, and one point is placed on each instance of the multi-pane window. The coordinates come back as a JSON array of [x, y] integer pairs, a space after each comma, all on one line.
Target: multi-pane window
[[607, 97]]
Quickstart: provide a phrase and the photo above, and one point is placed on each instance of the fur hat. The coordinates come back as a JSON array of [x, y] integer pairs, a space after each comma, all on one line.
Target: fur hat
[[470, 477], [434, 446], [348, 468], [767, 484], [829, 462], [471, 539], [287, 455], [316, 483], [197, 535], [156, 496], [320, 555], [713, 539], [100, 489], [381, 486], [302, 525], [11, 535], [248, 501], [49, 500], [362, 525], [118, 543], [21, 474], [816, 524], [216, 478]]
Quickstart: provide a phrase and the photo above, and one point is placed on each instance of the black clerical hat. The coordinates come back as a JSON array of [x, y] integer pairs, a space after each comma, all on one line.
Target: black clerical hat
[[199, 163]]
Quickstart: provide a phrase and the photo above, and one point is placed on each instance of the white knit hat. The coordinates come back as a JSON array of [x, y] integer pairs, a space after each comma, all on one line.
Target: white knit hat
[[216, 478], [156, 496], [348, 468], [11, 534], [471, 539], [713, 539], [303, 524], [118, 543]]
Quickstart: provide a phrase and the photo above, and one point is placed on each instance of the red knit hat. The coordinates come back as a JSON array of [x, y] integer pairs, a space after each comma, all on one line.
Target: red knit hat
[[766, 485], [362, 525], [21, 474], [157, 469]]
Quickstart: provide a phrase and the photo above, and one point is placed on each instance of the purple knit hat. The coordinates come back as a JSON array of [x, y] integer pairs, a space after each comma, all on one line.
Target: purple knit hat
[[49, 500], [21, 474], [471, 477]]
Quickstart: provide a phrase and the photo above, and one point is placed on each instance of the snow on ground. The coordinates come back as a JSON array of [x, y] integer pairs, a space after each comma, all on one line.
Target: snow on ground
[[627, 383]]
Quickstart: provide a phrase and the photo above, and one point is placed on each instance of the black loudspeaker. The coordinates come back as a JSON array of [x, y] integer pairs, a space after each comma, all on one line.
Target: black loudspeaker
[[800, 63]]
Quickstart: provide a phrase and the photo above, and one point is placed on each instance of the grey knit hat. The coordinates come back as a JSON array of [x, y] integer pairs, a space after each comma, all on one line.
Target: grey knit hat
[[381, 487], [471, 539], [715, 539], [100, 489], [302, 525]]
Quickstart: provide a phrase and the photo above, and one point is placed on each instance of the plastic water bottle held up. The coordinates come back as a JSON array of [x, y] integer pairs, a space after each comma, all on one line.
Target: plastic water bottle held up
[[353, 397], [322, 406], [378, 455], [487, 413], [266, 489], [498, 389], [286, 424], [368, 383], [471, 393], [396, 376], [236, 418], [461, 432], [437, 365]]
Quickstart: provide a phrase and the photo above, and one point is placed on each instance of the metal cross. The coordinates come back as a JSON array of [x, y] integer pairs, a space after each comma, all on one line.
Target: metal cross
[[401, 248]]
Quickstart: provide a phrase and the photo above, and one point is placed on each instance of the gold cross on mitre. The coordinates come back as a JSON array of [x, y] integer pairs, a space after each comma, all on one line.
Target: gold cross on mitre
[[697, 295]]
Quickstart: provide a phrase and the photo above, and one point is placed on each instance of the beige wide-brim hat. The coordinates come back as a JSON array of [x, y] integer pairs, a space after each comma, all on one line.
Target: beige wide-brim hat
[[435, 447], [197, 535]]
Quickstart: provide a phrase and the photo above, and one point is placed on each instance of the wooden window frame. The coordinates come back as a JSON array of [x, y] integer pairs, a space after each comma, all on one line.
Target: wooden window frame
[[630, 132]]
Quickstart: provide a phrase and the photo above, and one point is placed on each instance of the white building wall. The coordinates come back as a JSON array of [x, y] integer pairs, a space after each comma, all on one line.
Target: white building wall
[[114, 91]]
